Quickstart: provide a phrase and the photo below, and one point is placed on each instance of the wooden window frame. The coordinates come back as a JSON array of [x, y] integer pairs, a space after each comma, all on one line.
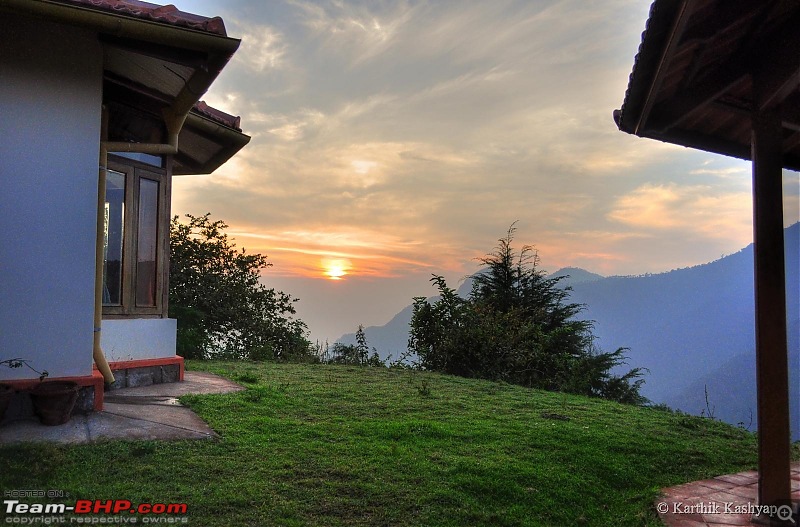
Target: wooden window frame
[[135, 171]]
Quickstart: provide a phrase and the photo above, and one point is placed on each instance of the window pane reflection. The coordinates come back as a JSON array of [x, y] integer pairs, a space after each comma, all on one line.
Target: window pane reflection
[[146, 251], [113, 239]]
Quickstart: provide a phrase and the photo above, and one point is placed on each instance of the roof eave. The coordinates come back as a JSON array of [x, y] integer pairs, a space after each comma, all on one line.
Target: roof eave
[[663, 25], [232, 140], [218, 48], [124, 25]]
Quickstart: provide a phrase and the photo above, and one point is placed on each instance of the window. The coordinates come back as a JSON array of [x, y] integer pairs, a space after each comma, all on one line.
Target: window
[[136, 243], [146, 247], [114, 238]]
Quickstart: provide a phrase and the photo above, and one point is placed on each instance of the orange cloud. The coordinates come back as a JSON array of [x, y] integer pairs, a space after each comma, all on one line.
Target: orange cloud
[[714, 212], [335, 254]]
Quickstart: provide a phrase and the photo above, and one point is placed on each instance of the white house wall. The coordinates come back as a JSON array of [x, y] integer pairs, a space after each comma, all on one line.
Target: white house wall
[[50, 105], [138, 339]]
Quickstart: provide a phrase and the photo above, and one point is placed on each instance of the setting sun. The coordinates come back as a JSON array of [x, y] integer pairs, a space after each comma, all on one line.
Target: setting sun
[[335, 268]]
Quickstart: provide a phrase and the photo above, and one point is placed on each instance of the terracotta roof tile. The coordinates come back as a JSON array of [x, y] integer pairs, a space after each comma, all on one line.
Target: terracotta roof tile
[[168, 14], [657, 22], [218, 116]]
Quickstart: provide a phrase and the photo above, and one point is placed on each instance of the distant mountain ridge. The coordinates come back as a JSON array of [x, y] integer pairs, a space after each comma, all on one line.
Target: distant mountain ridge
[[692, 328], [391, 339], [576, 275]]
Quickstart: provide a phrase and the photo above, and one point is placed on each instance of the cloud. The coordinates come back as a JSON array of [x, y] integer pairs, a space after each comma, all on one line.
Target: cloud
[[405, 137], [263, 47], [295, 127], [361, 31], [367, 252], [699, 209], [723, 172]]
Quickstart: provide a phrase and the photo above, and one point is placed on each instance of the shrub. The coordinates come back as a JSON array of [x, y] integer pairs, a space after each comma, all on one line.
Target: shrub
[[223, 309], [517, 326]]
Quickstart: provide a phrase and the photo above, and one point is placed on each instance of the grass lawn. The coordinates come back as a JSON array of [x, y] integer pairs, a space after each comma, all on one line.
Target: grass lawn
[[334, 445]]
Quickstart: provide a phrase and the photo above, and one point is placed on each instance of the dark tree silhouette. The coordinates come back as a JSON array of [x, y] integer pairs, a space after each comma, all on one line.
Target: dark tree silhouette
[[223, 309], [517, 326]]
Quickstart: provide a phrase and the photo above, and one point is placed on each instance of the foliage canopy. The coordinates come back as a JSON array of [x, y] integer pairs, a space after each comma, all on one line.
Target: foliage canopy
[[517, 326], [223, 310], [357, 354]]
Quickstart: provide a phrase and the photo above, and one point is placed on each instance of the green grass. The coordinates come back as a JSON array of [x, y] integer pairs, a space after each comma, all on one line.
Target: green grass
[[332, 445]]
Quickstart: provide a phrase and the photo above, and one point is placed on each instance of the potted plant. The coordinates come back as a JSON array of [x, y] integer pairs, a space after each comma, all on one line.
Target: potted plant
[[52, 401], [7, 391]]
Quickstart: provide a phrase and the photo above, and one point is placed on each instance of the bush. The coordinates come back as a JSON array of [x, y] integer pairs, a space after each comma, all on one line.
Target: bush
[[355, 354], [517, 326], [223, 309]]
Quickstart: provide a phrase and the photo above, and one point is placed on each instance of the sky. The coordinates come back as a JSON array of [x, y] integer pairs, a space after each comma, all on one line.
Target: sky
[[396, 140]]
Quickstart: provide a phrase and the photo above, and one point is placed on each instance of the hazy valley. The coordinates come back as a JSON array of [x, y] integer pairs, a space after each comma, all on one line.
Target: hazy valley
[[692, 328]]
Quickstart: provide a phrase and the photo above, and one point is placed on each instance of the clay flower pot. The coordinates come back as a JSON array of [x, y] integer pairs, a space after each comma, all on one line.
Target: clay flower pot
[[53, 401], [6, 393]]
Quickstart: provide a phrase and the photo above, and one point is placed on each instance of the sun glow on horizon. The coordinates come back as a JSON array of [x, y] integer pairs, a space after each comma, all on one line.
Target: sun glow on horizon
[[335, 268]]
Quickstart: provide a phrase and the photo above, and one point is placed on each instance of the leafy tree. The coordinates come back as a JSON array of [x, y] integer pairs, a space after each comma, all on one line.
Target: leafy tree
[[517, 326], [223, 310], [357, 354]]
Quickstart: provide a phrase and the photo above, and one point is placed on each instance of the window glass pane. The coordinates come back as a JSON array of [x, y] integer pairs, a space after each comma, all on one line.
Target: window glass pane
[[149, 159], [114, 234], [146, 253]]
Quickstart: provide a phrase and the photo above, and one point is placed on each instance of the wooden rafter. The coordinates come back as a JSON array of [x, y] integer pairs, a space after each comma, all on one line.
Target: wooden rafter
[[780, 70], [781, 51], [732, 86], [183, 57], [679, 26]]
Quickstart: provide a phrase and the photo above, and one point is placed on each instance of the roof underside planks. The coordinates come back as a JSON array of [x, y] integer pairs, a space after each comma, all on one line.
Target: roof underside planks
[[692, 81], [723, 76], [156, 58]]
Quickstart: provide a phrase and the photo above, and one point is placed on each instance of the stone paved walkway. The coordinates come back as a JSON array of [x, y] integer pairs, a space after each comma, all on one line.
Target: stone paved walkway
[[717, 502], [146, 412]]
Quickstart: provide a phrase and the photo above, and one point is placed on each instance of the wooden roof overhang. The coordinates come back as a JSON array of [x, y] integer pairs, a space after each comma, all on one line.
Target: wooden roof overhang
[[704, 67], [723, 76], [156, 60]]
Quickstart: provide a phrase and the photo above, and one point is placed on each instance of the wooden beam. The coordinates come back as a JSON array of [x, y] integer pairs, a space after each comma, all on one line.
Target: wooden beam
[[700, 141], [184, 57], [790, 115], [185, 159], [774, 58], [126, 90], [678, 27], [693, 96], [772, 374], [792, 141], [779, 69], [726, 16], [683, 106], [783, 82]]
